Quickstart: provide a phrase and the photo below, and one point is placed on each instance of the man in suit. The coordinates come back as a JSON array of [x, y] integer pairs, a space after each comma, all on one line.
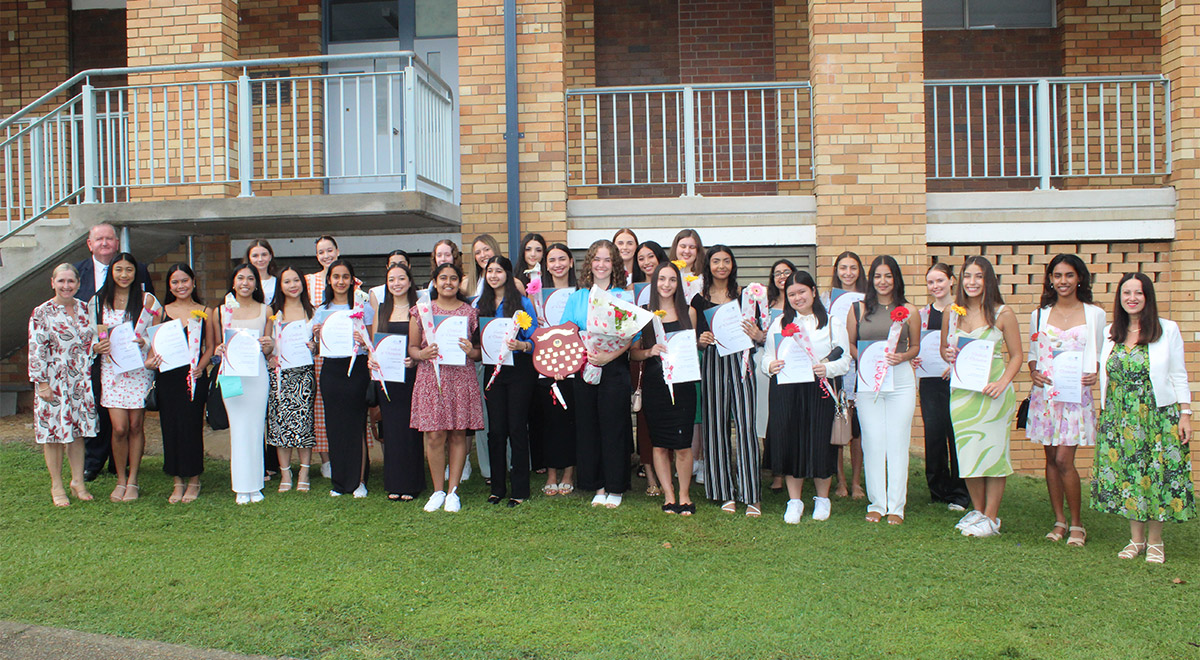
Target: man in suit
[[102, 243]]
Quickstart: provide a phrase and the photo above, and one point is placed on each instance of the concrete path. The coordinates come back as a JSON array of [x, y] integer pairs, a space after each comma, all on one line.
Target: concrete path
[[19, 641]]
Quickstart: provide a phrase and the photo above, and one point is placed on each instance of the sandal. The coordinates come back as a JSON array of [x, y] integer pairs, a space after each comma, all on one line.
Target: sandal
[[653, 491], [302, 484], [118, 494], [753, 511], [285, 479], [59, 497], [1132, 550], [1054, 535], [729, 507], [81, 492], [1077, 541], [686, 509], [566, 489], [1155, 554], [493, 499], [132, 492], [393, 497], [893, 519], [874, 517], [670, 508], [550, 490], [177, 493], [189, 495]]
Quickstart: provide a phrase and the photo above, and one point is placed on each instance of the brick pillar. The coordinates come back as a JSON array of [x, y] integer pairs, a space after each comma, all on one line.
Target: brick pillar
[[541, 83], [869, 132], [1180, 63], [792, 63]]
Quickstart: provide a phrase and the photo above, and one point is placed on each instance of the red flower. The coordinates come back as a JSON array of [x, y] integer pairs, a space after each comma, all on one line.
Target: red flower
[[790, 329], [900, 314]]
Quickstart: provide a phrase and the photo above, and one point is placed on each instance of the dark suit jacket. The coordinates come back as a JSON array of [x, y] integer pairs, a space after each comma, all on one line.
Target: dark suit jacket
[[87, 279]]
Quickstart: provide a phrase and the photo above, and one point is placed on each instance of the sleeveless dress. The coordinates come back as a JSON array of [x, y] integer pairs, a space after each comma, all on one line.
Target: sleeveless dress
[[1067, 424], [248, 420], [128, 390], [181, 415], [290, 403], [981, 423]]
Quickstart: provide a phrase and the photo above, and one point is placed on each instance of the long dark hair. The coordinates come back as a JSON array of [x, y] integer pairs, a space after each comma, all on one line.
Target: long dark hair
[[731, 285], [169, 296], [659, 254], [531, 238], [562, 247], [871, 298], [677, 301], [818, 308], [108, 292], [992, 298], [280, 298], [773, 292], [257, 296], [1150, 331], [327, 297], [389, 300], [262, 243], [1083, 293], [457, 271], [512, 296], [861, 284]]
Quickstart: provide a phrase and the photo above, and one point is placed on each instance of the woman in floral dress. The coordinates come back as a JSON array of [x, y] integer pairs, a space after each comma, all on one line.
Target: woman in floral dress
[[1142, 467], [60, 358]]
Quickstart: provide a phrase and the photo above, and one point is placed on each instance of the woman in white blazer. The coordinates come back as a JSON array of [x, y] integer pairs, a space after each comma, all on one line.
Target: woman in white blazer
[[1142, 468], [1065, 321]]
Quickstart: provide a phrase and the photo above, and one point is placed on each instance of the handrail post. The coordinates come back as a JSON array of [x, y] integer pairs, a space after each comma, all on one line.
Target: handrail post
[[689, 140], [1168, 144], [1043, 133], [245, 133], [91, 154], [37, 170], [408, 117]]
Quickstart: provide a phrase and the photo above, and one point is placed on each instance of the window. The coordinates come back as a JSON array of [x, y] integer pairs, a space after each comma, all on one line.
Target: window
[[436, 18], [984, 14], [364, 20]]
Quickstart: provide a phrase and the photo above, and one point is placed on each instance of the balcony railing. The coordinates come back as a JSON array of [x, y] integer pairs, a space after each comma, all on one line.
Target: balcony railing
[[391, 126]]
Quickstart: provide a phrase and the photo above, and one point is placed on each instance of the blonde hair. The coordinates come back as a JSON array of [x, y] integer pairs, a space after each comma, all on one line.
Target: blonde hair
[[64, 266], [490, 241]]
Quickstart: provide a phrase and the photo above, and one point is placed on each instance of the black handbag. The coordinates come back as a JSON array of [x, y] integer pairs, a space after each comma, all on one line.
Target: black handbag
[[1023, 409], [214, 409], [151, 402]]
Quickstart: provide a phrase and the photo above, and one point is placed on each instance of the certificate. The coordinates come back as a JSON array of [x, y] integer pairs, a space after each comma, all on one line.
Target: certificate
[[243, 353], [682, 356], [840, 301], [932, 364], [337, 335], [390, 351], [1066, 376], [555, 303], [641, 292], [797, 365], [726, 324], [293, 350], [872, 355], [775, 313], [171, 344], [973, 365], [123, 350], [491, 339], [448, 330]]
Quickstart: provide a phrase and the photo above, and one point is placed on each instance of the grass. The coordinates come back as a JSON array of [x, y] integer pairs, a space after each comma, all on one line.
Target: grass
[[309, 576]]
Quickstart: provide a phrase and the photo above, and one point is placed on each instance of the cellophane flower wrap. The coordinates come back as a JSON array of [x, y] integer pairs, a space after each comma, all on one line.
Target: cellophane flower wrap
[[195, 329], [230, 303], [899, 316], [151, 309], [668, 366], [277, 336], [521, 321], [611, 325], [757, 310], [799, 334], [425, 313], [1044, 365], [533, 291]]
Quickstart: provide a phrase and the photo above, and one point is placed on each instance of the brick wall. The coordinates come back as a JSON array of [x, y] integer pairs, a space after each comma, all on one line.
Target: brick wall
[[637, 43], [1102, 37], [791, 64], [37, 57], [726, 41]]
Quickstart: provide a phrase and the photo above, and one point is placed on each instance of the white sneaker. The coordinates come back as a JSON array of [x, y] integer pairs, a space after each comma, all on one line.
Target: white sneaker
[[361, 491], [971, 518], [334, 493], [820, 508], [612, 501], [956, 507], [794, 512], [600, 499], [453, 504], [698, 470], [327, 469], [256, 496], [435, 501], [243, 498], [982, 528]]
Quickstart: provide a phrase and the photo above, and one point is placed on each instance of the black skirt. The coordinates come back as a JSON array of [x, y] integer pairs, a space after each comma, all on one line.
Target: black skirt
[[799, 430], [670, 423]]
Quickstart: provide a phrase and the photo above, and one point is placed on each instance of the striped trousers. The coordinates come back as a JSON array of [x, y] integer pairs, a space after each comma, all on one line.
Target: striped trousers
[[731, 461]]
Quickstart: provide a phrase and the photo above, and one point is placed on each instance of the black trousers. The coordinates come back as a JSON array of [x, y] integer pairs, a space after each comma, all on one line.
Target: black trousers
[[98, 448], [403, 446], [345, 419], [603, 433], [551, 427], [941, 455], [508, 403]]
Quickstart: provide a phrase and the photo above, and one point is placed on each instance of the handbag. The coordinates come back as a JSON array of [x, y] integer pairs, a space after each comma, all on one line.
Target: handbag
[[1023, 409], [840, 437], [151, 402], [635, 401], [214, 410]]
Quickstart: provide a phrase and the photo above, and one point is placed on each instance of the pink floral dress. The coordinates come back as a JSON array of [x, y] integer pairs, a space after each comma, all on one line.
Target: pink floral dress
[[60, 354], [125, 391], [1063, 424], [458, 405]]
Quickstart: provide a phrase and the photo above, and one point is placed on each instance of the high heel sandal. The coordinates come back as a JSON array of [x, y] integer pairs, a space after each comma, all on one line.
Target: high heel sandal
[[1155, 553], [1132, 550], [132, 492], [59, 497], [177, 493], [81, 492], [285, 479], [188, 495], [302, 484], [118, 494]]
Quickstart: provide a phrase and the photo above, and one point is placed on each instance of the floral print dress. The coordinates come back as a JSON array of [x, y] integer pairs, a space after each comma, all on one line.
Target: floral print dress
[[1052, 423], [60, 353], [1142, 471]]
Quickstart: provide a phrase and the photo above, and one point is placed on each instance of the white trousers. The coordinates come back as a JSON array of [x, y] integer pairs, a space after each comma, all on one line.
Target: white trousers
[[886, 422]]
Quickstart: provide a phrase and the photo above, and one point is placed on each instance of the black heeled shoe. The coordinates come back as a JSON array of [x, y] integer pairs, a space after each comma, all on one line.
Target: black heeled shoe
[[512, 503], [494, 499]]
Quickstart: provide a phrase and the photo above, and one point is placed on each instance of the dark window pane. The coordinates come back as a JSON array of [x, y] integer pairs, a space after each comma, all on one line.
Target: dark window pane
[[363, 20]]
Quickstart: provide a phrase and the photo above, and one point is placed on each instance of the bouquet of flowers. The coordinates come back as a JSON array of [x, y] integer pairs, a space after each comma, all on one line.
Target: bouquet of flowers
[[1044, 365], [611, 324], [277, 336], [756, 309], [798, 332], [425, 311], [195, 327], [151, 308], [521, 321], [899, 316], [660, 337], [533, 291]]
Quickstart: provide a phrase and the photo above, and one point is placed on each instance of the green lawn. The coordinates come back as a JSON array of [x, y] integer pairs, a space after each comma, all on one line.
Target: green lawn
[[305, 575]]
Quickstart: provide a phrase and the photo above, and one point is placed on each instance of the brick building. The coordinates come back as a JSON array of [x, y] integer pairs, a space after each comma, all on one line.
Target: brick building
[[795, 128]]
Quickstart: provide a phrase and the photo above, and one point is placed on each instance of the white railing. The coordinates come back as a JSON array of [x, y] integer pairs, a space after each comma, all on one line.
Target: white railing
[[689, 135], [393, 125], [1048, 128]]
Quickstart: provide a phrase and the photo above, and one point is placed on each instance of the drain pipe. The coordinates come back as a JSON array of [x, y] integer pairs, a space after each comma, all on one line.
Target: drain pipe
[[191, 247], [511, 134], [125, 239]]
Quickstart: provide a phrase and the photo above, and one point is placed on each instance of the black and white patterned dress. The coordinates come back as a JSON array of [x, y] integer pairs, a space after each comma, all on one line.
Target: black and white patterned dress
[[290, 414]]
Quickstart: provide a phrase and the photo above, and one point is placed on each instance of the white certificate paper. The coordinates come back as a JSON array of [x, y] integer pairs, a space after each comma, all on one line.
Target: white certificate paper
[[293, 348], [170, 343], [491, 338], [973, 364], [643, 293], [243, 353], [390, 351], [337, 335], [555, 303], [797, 365], [123, 350], [870, 355], [932, 364], [448, 330], [1067, 377], [840, 301], [682, 356], [726, 324]]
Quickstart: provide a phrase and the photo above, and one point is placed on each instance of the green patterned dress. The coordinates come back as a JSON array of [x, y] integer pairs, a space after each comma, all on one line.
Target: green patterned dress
[[1142, 471], [981, 423]]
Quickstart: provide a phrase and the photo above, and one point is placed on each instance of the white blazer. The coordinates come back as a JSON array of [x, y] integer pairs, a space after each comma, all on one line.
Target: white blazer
[[1168, 371], [1095, 336], [823, 341]]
